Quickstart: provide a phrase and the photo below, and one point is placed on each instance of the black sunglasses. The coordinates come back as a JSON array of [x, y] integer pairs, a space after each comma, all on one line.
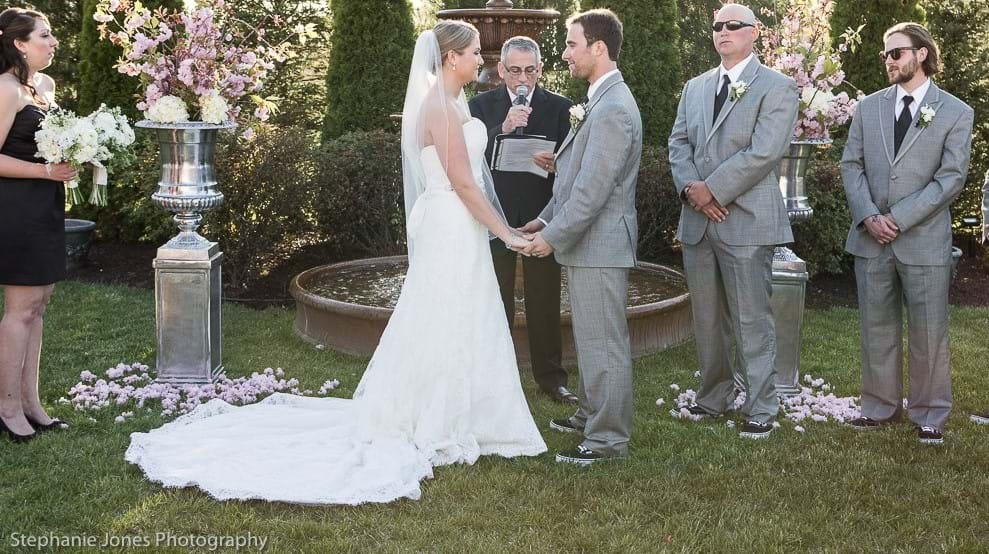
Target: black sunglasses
[[895, 53], [732, 25]]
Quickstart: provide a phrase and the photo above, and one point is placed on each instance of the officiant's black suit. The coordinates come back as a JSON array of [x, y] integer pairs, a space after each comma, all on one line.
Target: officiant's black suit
[[523, 196]]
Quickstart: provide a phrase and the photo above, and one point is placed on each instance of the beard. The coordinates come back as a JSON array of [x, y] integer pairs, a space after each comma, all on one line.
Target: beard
[[903, 74]]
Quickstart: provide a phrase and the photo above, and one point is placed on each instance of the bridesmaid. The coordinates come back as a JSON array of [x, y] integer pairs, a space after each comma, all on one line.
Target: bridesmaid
[[32, 235]]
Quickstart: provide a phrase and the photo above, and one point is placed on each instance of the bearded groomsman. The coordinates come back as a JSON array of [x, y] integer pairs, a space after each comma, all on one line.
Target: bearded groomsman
[[733, 126], [522, 196], [905, 161]]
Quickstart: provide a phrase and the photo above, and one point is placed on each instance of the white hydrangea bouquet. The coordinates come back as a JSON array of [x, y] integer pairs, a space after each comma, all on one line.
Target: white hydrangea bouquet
[[96, 139]]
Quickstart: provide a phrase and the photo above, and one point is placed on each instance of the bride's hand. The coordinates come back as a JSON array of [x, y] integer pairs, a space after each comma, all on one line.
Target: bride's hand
[[517, 242]]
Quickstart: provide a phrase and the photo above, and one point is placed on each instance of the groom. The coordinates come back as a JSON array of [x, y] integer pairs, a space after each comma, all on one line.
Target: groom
[[591, 227]]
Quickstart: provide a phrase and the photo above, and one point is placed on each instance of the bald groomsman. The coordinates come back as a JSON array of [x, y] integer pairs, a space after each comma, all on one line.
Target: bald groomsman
[[905, 161], [732, 128]]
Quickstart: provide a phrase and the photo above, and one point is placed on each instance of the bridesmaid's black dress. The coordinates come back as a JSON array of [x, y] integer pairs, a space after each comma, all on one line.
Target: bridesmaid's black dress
[[32, 213]]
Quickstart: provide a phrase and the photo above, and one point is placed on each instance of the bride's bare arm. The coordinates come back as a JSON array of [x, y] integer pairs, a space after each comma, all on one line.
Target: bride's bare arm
[[448, 135]]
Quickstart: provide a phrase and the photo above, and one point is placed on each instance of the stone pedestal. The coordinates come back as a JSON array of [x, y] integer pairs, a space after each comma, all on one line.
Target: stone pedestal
[[789, 289], [187, 312]]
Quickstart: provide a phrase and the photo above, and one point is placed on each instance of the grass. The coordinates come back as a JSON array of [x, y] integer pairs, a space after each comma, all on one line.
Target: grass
[[685, 488]]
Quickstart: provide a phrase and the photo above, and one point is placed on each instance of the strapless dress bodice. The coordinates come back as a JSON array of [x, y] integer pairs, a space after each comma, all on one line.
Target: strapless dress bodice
[[476, 138]]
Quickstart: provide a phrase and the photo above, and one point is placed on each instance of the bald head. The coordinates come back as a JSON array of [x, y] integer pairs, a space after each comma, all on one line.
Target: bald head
[[734, 33], [738, 12]]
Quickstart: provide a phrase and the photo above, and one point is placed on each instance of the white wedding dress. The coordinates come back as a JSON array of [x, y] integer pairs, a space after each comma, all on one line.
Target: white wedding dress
[[442, 387]]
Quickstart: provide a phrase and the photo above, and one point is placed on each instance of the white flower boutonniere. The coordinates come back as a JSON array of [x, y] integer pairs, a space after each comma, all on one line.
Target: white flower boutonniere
[[738, 89], [927, 114], [577, 114]]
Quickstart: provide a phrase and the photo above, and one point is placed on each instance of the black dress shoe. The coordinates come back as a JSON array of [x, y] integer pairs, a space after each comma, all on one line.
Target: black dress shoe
[[14, 436], [563, 395], [55, 425]]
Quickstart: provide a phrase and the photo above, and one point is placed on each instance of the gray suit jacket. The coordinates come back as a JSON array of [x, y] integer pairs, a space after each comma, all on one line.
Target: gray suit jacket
[[592, 219], [985, 210], [738, 155], [917, 185]]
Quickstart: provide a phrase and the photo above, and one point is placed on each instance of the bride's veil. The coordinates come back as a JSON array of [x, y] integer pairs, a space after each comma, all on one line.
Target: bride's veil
[[426, 87]]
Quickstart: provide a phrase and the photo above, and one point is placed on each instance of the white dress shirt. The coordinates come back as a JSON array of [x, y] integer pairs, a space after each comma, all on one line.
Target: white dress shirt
[[597, 84], [735, 72], [917, 94]]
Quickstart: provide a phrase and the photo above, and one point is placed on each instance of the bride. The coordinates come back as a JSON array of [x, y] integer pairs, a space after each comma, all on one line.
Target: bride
[[441, 388]]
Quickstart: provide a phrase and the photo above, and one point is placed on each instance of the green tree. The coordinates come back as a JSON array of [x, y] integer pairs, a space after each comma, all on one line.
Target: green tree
[[960, 28], [650, 60], [99, 81], [370, 51], [863, 69]]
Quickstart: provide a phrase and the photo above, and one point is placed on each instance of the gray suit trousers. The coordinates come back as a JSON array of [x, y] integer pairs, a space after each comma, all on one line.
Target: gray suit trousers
[[598, 296], [884, 283], [730, 289]]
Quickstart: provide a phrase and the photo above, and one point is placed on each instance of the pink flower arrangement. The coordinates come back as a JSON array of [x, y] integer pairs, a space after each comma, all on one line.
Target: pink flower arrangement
[[133, 385], [800, 46], [205, 64]]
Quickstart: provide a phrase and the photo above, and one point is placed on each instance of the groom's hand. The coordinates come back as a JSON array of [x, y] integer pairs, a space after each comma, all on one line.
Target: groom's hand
[[538, 247], [533, 226], [715, 211]]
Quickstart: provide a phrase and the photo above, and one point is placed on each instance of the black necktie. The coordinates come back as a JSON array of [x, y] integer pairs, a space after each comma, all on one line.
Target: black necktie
[[902, 124], [719, 99]]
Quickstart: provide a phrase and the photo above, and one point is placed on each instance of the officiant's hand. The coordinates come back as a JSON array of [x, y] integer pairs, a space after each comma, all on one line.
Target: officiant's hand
[[539, 247], [533, 226], [518, 116], [545, 160]]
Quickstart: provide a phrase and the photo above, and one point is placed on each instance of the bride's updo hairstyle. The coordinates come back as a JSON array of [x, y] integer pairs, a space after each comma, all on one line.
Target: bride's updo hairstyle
[[17, 24], [454, 35]]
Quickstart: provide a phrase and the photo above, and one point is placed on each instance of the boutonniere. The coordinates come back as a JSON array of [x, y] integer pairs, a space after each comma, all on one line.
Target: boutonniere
[[738, 88], [577, 114], [927, 114]]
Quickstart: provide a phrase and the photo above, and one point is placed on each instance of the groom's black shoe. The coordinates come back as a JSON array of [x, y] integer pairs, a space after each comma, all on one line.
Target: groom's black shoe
[[564, 426], [581, 456], [563, 395]]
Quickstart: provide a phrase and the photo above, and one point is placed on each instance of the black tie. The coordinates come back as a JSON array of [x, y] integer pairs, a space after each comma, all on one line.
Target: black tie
[[902, 124], [719, 99]]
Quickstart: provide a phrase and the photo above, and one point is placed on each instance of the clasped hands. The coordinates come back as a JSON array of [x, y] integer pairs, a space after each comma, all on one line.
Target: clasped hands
[[882, 227], [699, 196], [529, 242]]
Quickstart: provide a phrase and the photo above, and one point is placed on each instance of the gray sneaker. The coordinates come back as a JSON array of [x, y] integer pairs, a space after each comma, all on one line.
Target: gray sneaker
[[980, 419], [564, 426]]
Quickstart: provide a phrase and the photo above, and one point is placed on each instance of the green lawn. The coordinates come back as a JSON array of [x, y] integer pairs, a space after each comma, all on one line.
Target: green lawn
[[687, 487]]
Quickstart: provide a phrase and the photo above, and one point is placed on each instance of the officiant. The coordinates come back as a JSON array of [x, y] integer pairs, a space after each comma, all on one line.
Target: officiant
[[520, 104]]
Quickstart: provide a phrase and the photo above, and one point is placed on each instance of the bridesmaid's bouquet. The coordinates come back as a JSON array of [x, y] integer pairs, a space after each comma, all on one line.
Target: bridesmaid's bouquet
[[97, 139]]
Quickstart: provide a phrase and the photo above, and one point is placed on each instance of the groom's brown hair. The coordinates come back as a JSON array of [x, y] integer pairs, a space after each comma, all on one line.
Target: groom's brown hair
[[601, 24]]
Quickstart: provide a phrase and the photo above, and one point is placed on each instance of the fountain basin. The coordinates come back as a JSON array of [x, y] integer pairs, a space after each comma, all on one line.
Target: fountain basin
[[346, 306]]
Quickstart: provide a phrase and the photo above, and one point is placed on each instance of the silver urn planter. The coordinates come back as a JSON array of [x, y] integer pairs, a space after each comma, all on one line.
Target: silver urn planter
[[78, 237], [188, 267]]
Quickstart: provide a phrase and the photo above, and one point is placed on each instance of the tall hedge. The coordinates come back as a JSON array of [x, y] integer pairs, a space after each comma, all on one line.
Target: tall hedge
[[99, 81], [371, 47], [863, 68], [650, 60]]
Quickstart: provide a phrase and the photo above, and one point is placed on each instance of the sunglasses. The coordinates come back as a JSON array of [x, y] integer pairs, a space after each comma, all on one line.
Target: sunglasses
[[895, 53], [732, 25]]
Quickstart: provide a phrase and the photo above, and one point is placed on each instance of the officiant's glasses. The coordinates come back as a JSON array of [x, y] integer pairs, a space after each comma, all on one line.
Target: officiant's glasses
[[895, 53], [529, 70], [733, 25]]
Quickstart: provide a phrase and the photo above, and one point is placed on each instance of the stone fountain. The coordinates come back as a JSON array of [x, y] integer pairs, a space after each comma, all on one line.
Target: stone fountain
[[498, 22]]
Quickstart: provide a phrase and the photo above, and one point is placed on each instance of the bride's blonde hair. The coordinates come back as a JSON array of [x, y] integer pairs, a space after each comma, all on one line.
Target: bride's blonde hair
[[454, 35]]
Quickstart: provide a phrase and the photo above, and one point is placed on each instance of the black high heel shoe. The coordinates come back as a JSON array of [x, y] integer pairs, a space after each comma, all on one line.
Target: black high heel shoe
[[14, 436], [55, 425]]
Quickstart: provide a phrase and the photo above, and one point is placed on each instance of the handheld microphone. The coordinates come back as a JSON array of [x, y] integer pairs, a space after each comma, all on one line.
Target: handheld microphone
[[521, 97]]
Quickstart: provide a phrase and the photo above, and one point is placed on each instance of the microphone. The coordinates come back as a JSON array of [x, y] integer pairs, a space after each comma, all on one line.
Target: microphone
[[521, 97]]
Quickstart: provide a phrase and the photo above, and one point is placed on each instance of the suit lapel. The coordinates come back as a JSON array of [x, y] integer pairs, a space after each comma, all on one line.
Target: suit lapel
[[748, 77], [707, 101], [537, 115], [887, 104], [932, 99], [602, 90]]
